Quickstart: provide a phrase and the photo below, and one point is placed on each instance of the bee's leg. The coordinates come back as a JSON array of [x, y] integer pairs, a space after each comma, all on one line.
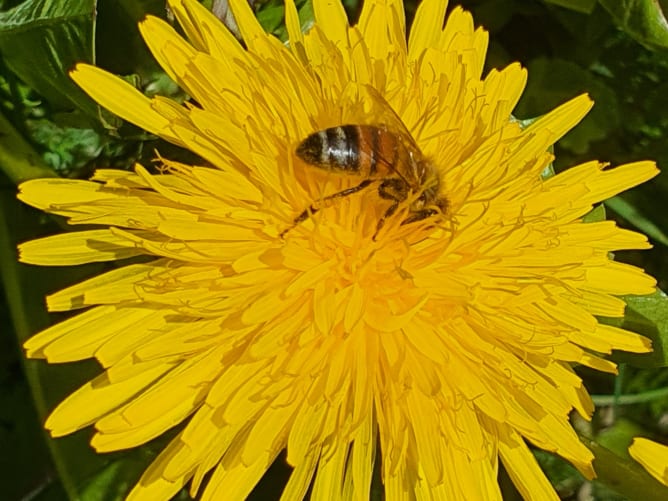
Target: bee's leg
[[394, 189], [315, 206], [381, 222], [438, 206], [419, 216], [348, 191]]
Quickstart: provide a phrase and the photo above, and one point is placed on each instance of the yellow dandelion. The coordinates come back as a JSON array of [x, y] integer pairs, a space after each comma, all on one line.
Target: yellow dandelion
[[275, 318], [652, 456]]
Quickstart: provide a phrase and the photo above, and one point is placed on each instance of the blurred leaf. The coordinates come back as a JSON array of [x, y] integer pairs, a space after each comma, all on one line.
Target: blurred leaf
[[595, 215], [585, 34], [305, 12], [622, 473], [25, 286], [271, 16], [647, 315], [563, 476], [618, 435], [494, 15], [644, 20], [306, 15], [68, 148], [554, 81], [274, 480], [119, 46], [26, 471], [117, 477], [42, 40], [632, 215], [584, 6], [509, 491], [18, 160]]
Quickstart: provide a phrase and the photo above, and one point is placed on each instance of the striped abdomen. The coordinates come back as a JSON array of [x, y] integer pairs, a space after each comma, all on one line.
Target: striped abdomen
[[353, 149]]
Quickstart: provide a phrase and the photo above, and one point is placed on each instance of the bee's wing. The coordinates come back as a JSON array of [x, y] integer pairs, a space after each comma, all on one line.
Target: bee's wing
[[381, 113]]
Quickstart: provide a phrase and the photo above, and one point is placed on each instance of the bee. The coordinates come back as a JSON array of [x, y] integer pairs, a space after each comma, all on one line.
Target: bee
[[385, 157]]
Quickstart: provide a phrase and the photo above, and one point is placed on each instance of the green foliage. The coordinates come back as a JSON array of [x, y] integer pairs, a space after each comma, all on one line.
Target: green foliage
[[647, 315], [271, 17], [54, 35], [631, 214], [620, 476], [554, 80], [67, 148], [564, 477], [644, 20], [584, 6]]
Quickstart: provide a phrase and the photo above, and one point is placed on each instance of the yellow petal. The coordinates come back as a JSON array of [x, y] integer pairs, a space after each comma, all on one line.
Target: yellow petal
[[77, 248], [122, 99], [652, 456], [427, 26], [101, 395], [523, 468]]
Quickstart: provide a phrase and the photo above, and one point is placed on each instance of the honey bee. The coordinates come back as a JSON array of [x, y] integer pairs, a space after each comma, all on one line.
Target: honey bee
[[389, 159]]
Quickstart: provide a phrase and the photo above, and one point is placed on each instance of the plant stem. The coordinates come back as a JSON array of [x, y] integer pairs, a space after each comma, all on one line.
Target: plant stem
[[636, 398]]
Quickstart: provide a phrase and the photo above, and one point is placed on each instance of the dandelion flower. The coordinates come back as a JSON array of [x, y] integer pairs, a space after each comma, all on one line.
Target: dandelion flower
[[446, 341], [652, 456]]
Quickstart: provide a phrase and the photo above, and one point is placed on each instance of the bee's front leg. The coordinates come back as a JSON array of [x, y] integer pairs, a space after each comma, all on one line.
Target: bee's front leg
[[316, 206]]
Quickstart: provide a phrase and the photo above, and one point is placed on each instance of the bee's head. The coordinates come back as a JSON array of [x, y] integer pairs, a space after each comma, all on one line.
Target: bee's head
[[429, 203], [427, 196]]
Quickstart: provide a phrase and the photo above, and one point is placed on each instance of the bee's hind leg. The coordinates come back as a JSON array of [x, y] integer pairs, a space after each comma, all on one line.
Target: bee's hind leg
[[315, 206]]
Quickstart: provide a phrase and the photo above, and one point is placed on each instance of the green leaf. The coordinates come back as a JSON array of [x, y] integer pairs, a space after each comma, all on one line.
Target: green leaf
[[624, 475], [18, 160], [77, 464], [271, 16], [495, 15], [644, 20], [553, 82], [127, 53], [563, 476], [629, 212], [42, 40], [68, 148], [25, 287], [306, 15], [121, 471], [584, 6], [595, 215], [647, 315], [26, 470]]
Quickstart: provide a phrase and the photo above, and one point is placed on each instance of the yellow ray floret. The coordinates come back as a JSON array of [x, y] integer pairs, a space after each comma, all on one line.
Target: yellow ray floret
[[652, 456]]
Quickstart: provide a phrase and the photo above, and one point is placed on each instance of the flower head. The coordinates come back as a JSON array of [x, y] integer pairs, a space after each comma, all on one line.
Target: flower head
[[274, 318]]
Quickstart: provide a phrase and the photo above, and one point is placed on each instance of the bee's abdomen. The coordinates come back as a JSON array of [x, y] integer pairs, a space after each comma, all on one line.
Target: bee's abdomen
[[336, 148]]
